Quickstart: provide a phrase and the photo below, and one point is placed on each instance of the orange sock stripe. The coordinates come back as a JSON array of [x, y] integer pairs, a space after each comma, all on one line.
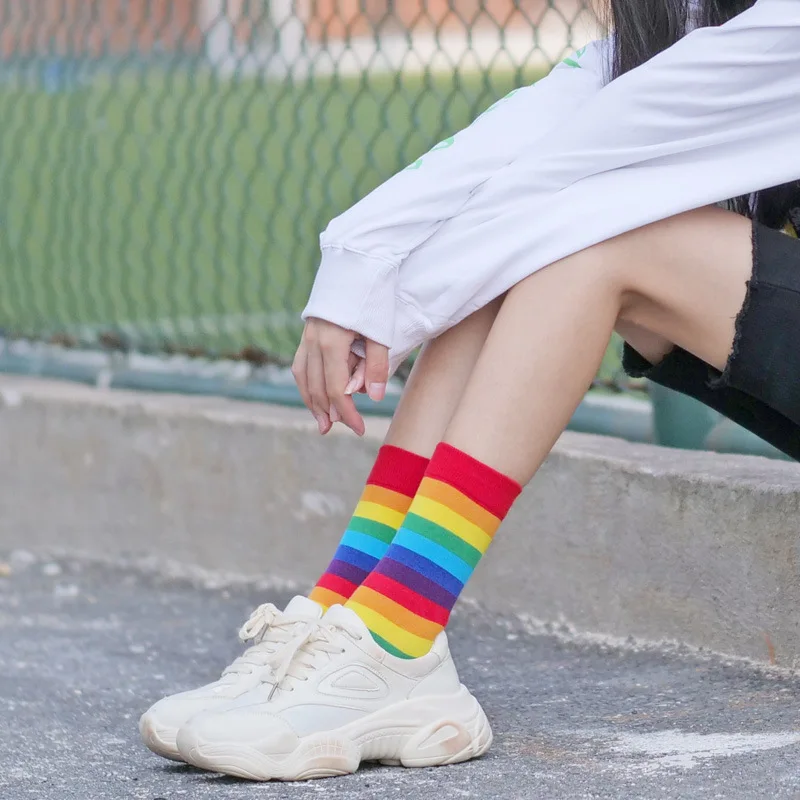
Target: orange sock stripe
[[401, 616], [449, 496], [386, 497], [326, 598]]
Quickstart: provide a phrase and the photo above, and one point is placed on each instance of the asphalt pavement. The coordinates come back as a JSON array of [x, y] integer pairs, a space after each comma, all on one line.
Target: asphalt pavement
[[85, 648]]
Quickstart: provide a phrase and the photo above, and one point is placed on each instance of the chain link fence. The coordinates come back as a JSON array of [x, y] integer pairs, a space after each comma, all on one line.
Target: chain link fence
[[167, 165]]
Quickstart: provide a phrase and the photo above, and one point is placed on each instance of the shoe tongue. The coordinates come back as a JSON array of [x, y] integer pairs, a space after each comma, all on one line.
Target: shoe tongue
[[303, 607], [339, 615]]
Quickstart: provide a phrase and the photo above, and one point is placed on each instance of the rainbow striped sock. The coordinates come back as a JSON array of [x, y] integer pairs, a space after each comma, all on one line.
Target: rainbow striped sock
[[391, 485], [407, 599]]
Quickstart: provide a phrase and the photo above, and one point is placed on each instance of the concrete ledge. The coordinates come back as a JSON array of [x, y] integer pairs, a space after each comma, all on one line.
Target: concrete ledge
[[611, 537]]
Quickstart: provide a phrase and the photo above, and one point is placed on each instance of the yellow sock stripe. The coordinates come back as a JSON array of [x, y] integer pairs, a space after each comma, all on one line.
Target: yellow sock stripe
[[379, 513], [453, 522], [408, 643], [449, 496]]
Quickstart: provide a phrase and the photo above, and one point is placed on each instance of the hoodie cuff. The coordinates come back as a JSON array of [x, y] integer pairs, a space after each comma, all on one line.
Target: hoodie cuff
[[356, 292]]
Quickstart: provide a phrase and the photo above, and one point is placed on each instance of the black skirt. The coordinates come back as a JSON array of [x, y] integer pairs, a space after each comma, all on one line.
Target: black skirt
[[760, 386]]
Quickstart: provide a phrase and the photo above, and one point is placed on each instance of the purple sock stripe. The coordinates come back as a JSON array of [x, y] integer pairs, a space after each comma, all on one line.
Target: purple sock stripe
[[350, 572], [423, 586], [426, 568]]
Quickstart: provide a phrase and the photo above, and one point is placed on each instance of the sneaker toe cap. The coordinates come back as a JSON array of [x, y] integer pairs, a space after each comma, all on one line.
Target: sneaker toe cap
[[173, 712], [253, 726]]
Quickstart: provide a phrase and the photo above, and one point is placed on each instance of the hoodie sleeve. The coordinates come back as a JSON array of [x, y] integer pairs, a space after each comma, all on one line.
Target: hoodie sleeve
[[715, 116], [362, 249], [702, 103]]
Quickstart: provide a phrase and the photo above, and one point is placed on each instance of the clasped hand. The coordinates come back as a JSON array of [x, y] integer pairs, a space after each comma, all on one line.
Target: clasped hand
[[328, 374]]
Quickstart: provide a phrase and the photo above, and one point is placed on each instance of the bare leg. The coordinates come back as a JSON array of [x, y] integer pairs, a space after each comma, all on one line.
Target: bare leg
[[646, 343], [437, 382], [683, 280]]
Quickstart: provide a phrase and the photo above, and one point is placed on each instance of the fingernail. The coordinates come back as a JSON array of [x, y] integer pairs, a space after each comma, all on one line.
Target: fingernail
[[351, 386], [376, 391], [334, 415], [322, 422]]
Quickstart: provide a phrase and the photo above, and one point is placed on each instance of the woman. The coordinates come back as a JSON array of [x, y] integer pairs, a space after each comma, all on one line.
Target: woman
[[607, 172]]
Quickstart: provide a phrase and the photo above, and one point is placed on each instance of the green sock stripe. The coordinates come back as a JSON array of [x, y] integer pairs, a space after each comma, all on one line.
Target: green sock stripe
[[389, 647], [369, 527], [443, 537]]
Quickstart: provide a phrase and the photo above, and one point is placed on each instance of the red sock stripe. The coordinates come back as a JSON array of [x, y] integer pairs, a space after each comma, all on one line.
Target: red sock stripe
[[337, 584], [399, 470], [407, 598], [483, 485]]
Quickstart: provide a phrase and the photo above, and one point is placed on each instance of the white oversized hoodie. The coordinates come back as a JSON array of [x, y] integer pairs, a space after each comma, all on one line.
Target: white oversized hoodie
[[559, 166]]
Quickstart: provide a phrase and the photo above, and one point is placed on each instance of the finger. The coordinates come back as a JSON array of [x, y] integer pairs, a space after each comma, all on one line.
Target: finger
[[316, 388], [299, 373], [377, 373], [356, 382], [352, 365], [335, 364]]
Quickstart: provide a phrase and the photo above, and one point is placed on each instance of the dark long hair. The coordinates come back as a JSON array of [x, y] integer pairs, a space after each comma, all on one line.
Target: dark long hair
[[643, 28]]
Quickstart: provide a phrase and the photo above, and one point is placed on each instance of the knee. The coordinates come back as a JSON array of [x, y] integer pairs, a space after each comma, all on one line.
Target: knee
[[600, 271], [646, 258], [632, 263], [604, 267]]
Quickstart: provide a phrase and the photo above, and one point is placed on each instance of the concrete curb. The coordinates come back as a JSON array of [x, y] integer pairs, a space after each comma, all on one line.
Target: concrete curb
[[611, 537]]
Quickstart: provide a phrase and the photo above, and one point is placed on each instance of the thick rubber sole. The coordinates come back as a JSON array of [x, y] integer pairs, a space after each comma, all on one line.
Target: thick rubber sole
[[159, 739], [425, 732]]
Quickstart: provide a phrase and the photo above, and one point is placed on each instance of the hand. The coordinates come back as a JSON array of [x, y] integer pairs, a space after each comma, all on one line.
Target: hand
[[327, 374]]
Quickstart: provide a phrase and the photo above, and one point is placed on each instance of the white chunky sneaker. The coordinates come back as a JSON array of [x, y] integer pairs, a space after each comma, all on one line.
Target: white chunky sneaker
[[270, 630], [342, 700]]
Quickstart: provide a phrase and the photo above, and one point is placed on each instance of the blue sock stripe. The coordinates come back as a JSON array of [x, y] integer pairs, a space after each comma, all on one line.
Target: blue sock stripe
[[445, 558], [365, 544], [355, 557], [426, 568]]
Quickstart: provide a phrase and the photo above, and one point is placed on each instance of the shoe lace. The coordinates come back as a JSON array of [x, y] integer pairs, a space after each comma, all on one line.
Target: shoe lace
[[300, 657], [271, 631]]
